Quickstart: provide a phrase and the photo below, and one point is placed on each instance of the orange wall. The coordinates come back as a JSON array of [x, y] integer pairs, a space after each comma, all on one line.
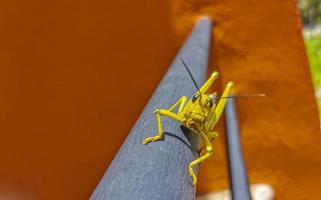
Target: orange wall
[[259, 46], [73, 81]]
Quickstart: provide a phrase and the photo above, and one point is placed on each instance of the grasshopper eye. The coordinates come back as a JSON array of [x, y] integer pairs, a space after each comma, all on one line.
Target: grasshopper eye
[[195, 96], [211, 102], [211, 99]]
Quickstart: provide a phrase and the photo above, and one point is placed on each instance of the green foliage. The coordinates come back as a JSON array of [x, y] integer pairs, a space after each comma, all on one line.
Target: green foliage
[[313, 47], [311, 17], [310, 11]]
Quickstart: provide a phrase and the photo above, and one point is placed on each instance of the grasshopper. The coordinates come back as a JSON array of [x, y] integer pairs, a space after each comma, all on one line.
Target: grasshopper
[[200, 114]]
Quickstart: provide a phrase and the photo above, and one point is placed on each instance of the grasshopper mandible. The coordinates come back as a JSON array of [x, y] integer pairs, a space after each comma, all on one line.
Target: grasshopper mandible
[[200, 114]]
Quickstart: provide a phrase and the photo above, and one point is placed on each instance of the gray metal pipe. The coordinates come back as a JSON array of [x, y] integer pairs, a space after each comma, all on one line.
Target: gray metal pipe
[[158, 171], [237, 171]]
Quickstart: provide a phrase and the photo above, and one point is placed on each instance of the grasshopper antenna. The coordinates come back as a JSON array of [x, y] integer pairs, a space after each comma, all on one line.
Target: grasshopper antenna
[[242, 95], [233, 96], [190, 74]]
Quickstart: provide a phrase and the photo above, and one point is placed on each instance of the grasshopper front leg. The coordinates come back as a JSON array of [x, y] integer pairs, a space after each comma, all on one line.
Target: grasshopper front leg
[[158, 112]]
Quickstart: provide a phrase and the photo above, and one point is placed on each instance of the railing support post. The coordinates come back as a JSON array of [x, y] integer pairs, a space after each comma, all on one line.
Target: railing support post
[[237, 171], [159, 170]]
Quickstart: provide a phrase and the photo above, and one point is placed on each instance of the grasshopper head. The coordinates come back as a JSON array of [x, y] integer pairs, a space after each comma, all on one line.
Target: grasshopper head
[[205, 100]]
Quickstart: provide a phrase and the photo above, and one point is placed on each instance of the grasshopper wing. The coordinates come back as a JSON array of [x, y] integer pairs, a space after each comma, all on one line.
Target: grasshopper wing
[[210, 120]]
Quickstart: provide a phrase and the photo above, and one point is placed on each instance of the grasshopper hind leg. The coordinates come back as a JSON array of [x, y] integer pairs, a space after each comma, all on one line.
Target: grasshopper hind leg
[[198, 161], [212, 135], [209, 152]]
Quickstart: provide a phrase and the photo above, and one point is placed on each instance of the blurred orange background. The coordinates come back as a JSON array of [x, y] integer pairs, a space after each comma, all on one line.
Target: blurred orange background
[[75, 76]]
